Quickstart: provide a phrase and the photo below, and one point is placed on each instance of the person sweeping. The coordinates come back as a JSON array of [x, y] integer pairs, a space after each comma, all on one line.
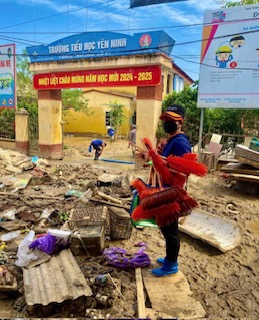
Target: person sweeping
[[98, 146]]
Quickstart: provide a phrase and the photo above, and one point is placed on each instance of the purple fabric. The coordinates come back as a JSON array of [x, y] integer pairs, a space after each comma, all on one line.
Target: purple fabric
[[45, 243], [119, 257]]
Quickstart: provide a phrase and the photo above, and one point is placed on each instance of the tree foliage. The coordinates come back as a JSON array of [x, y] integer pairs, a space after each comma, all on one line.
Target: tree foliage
[[117, 116], [188, 99], [26, 94], [74, 98], [239, 3], [219, 120], [7, 123]]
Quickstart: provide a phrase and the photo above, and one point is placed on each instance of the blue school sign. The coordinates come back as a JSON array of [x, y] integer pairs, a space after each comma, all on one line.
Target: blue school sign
[[102, 44]]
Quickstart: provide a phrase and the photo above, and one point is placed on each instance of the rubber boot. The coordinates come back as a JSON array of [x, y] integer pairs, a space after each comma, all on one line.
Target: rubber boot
[[160, 260], [167, 269]]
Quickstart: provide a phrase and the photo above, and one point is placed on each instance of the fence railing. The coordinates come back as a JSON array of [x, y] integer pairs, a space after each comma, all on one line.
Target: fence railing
[[7, 134]]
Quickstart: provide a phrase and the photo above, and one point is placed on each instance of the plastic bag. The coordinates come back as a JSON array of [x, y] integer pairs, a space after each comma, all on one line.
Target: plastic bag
[[45, 243], [24, 254], [90, 148], [119, 257]]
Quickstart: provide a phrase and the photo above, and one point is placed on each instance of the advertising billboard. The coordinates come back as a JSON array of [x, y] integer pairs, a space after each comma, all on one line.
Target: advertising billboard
[[229, 69], [7, 76]]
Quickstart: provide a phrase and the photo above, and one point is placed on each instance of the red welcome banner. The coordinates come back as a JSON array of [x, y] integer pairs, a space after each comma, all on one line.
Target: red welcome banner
[[136, 76]]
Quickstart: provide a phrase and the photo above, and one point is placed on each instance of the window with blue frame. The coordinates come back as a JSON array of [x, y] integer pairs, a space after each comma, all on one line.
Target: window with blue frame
[[178, 83]]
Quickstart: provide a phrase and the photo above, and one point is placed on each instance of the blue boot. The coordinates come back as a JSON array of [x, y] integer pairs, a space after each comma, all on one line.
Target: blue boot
[[167, 269], [160, 260]]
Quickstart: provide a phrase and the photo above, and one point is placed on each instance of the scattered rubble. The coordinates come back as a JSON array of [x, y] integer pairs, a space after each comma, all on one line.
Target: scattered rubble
[[41, 197]]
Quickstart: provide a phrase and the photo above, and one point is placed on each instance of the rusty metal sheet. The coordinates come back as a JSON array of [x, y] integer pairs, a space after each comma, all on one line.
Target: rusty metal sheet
[[57, 280]]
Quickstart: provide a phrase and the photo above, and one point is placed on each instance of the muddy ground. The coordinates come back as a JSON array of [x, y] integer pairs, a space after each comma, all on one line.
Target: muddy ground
[[226, 284]]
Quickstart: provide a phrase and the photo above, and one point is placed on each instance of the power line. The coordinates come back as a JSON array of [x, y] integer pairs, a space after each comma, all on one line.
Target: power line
[[121, 30], [161, 47], [49, 17]]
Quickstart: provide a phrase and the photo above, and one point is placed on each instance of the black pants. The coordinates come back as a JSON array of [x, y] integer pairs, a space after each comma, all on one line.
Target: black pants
[[97, 153], [172, 240]]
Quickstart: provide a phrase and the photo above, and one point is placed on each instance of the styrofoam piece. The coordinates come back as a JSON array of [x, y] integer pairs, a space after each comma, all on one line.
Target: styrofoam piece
[[59, 233], [219, 232]]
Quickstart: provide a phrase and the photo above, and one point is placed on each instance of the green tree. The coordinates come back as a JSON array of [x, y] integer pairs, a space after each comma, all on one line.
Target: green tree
[[26, 94], [239, 3], [74, 98], [188, 99], [117, 116], [7, 120]]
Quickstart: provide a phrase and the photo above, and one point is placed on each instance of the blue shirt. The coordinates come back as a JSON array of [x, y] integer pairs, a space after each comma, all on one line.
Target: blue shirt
[[97, 143], [178, 145], [111, 132]]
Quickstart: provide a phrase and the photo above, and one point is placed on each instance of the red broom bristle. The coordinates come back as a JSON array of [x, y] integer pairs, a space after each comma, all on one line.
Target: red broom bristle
[[165, 196], [139, 213], [139, 185], [167, 214], [147, 142], [167, 176], [188, 204], [187, 166], [191, 156], [149, 191], [142, 189]]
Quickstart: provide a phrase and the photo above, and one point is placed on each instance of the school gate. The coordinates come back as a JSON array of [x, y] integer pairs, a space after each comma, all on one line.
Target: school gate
[[100, 59]]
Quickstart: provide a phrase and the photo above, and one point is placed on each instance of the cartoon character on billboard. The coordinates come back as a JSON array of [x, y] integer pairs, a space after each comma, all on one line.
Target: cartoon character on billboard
[[223, 56], [237, 41]]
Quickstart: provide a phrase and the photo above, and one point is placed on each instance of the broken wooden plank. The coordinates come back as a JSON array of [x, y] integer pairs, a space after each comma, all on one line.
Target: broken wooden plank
[[172, 296], [14, 225], [245, 177], [140, 294]]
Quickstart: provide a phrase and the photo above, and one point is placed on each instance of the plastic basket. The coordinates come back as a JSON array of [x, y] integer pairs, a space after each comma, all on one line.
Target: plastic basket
[[86, 215], [121, 225]]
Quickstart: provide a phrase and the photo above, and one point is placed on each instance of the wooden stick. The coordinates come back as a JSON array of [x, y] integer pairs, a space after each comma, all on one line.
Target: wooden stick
[[140, 295], [107, 197], [111, 204], [115, 285]]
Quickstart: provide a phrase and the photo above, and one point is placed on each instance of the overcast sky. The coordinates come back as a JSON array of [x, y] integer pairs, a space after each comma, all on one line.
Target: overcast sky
[[33, 22]]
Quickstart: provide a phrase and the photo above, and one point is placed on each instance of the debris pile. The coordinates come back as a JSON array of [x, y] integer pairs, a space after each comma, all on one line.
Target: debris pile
[[55, 222], [244, 174]]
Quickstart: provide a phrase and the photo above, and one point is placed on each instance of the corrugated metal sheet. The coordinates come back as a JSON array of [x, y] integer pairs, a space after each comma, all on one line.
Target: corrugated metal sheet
[[57, 280]]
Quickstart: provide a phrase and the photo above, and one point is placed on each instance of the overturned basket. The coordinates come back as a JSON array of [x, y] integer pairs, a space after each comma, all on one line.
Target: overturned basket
[[87, 215], [121, 225]]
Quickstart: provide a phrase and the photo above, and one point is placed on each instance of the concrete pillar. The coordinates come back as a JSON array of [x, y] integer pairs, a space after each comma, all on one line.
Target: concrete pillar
[[149, 108], [50, 124], [22, 131]]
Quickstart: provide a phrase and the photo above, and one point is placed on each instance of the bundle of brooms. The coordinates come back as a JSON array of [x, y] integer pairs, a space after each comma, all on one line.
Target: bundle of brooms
[[164, 197]]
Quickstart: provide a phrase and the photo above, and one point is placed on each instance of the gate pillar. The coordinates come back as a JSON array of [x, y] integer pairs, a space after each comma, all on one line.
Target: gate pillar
[[149, 108], [50, 124], [22, 131]]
